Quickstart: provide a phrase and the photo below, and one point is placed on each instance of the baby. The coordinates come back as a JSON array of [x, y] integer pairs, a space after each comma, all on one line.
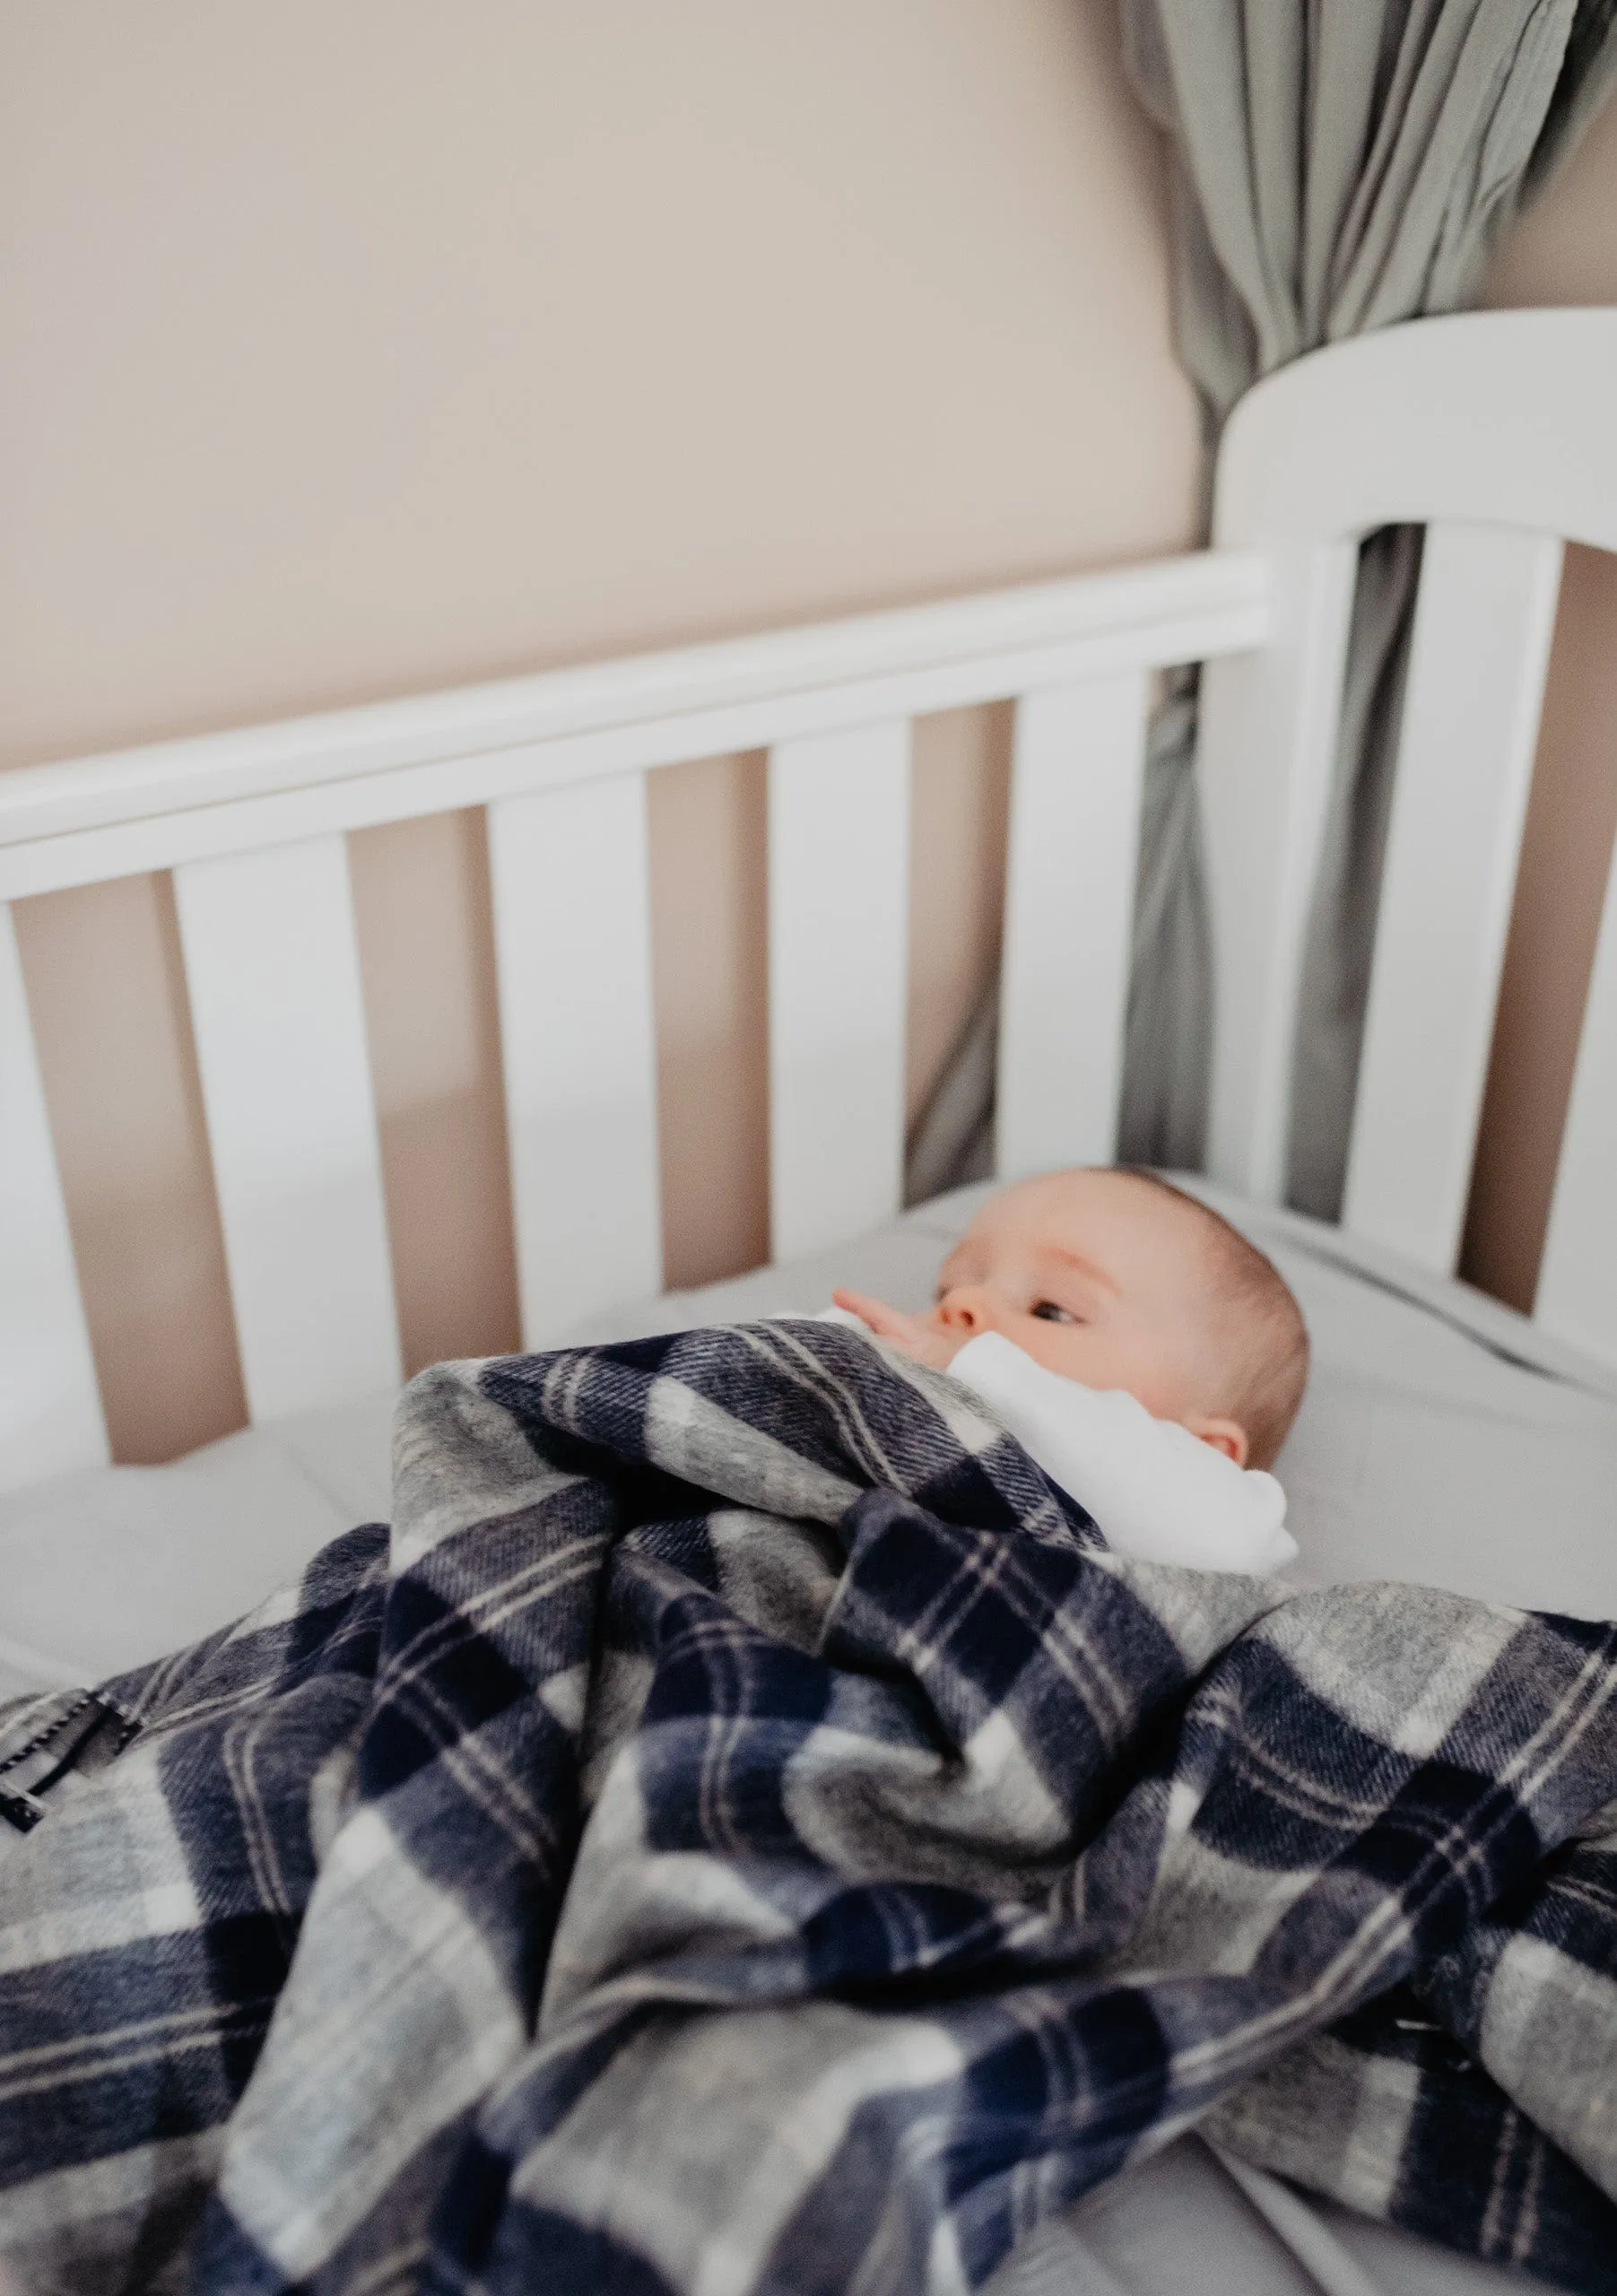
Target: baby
[[1149, 1357]]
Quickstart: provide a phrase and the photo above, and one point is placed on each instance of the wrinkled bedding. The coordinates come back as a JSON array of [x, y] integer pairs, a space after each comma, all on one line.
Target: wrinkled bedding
[[741, 1830]]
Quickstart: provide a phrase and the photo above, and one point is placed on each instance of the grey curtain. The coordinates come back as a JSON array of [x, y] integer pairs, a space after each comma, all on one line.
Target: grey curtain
[[1337, 165]]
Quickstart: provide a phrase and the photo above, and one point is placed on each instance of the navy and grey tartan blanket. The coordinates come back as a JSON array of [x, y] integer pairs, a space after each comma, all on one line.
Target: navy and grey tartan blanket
[[742, 1832]]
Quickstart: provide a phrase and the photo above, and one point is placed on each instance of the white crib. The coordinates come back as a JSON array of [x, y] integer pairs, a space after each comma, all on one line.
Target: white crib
[[1495, 430]]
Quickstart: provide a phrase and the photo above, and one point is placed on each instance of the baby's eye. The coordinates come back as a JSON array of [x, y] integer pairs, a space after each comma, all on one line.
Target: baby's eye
[[1048, 1312]]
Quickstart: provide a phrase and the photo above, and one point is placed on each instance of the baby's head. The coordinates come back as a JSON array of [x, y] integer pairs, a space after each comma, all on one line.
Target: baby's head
[[1118, 1279]]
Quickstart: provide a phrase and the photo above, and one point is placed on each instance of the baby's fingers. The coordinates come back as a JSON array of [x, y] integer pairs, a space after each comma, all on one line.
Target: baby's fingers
[[887, 1323]]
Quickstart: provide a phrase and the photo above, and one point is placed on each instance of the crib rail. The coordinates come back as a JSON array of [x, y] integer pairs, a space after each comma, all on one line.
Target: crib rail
[[91, 819], [252, 825]]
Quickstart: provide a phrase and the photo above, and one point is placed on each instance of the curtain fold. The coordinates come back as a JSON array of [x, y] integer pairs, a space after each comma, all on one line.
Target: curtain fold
[[1338, 165]]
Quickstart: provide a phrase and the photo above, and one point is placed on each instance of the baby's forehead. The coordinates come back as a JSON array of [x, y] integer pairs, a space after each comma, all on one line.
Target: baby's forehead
[[1094, 1202], [1134, 1231]]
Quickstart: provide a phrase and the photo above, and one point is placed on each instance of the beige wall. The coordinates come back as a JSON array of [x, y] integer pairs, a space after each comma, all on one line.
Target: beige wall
[[356, 351], [352, 351]]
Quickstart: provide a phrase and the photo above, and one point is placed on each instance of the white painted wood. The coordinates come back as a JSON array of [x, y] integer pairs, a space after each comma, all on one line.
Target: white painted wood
[[1171, 610], [1438, 422], [1074, 848], [573, 939], [1480, 651], [272, 967], [1495, 417], [1578, 1278], [83, 821], [1266, 753], [50, 1409], [839, 841]]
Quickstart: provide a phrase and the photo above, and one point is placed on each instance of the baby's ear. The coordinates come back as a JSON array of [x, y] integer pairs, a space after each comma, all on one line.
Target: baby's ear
[[1225, 1435]]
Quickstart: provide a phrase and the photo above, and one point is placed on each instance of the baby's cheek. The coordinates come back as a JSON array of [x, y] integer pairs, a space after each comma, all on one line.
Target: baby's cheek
[[1107, 1360], [1157, 1379], [1071, 1349]]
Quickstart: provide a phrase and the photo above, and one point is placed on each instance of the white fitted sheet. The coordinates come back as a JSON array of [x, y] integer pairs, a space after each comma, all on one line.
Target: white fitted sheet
[[1442, 1440], [1181, 2226]]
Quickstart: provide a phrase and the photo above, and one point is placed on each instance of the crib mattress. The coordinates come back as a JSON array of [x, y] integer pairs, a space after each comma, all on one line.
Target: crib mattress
[[1442, 1441]]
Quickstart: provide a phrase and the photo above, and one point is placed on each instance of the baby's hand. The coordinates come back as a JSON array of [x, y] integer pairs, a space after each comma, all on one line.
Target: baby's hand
[[916, 1336]]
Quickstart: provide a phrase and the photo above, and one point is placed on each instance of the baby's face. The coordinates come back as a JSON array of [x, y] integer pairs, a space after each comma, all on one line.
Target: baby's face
[[1098, 1276]]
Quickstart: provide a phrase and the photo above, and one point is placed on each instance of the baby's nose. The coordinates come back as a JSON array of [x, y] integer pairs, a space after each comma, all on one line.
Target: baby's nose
[[966, 1307]]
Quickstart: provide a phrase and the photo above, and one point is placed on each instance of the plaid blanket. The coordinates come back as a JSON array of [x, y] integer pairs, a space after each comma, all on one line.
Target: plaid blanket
[[743, 1831]]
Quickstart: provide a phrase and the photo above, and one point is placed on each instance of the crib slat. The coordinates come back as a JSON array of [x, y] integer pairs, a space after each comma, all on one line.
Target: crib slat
[[50, 1410], [839, 841], [272, 966], [1578, 1278], [1266, 739], [1481, 644], [1075, 838], [572, 937]]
